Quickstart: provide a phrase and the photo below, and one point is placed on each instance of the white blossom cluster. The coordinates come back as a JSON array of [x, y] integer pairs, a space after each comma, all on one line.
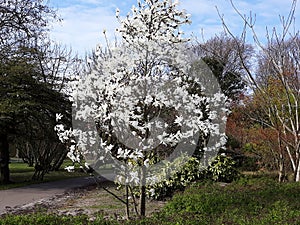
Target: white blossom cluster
[[66, 136], [155, 20], [138, 98]]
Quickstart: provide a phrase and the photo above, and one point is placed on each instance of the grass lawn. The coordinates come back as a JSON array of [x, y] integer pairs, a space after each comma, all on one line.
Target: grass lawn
[[21, 174], [248, 201], [252, 200]]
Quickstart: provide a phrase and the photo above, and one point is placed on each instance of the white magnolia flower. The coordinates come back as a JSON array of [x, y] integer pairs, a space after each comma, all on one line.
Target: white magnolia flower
[[146, 163], [123, 153], [152, 192], [134, 177], [132, 83], [58, 117], [70, 168], [179, 120]]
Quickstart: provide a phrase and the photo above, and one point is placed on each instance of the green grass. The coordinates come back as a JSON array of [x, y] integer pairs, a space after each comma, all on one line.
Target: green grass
[[44, 219], [256, 201], [21, 174], [252, 200]]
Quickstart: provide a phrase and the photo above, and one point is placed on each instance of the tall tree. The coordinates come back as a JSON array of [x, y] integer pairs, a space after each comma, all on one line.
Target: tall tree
[[223, 54], [28, 109], [276, 85], [23, 24], [56, 67], [148, 100]]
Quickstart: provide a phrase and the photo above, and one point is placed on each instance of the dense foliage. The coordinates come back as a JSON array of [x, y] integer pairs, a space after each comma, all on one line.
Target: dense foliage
[[221, 169], [29, 92]]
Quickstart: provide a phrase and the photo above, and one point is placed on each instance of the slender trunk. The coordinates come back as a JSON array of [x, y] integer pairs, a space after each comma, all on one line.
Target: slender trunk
[[4, 159], [127, 202], [143, 201], [143, 193], [17, 152], [29, 154], [134, 201], [281, 172], [62, 154], [291, 158], [281, 175], [297, 171]]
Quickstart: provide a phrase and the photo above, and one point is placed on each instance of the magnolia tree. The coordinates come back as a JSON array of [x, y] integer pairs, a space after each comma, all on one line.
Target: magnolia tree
[[146, 104]]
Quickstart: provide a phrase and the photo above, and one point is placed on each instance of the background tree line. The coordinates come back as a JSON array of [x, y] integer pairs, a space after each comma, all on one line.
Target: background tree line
[[265, 124], [261, 78], [34, 72]]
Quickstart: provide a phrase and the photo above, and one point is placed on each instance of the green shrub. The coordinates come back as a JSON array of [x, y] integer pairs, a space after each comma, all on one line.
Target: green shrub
[[222, 169], [189, 173]]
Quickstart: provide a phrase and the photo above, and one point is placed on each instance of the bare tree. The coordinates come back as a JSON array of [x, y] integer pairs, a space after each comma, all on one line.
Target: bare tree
[[224, 48], [223, 57], [34, 75], [22, 22], [57, 64], [276, 82]]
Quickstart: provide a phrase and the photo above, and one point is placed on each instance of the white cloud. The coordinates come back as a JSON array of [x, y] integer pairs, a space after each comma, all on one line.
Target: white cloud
[[82, 26], [84, 20], [205, 16]]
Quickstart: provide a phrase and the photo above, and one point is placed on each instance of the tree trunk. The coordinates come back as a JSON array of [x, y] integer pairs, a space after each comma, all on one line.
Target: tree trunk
[[127, 202], [282, 172], [143, 194], [297, 172], [29, 154], [4, 159], [143, 201], [59, 160]]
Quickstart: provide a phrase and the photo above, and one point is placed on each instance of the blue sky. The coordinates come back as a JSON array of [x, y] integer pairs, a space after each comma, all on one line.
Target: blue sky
[[85, 20]]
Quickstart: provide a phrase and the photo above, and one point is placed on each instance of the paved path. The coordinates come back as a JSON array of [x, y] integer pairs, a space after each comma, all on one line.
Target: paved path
[[32, 193]]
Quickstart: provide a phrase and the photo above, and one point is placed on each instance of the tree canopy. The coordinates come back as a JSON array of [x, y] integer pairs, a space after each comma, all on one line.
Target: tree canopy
[[28, 104]]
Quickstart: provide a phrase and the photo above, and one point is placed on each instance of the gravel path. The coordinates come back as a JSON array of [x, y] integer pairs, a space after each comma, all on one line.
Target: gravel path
[[18, 198]]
